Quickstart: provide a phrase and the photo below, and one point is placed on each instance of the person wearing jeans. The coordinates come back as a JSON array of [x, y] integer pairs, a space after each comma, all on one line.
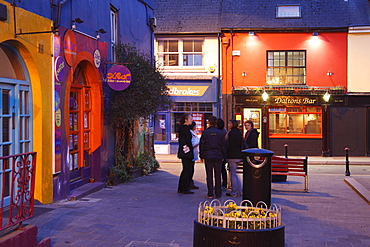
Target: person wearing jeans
[[234, 144]]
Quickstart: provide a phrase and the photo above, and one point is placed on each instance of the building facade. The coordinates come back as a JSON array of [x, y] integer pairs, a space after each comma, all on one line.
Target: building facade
[[55, 57], [280, 60], [187, 50]]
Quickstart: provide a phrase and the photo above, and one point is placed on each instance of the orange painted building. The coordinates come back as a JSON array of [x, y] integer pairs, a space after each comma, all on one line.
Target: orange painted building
[[294, 70]]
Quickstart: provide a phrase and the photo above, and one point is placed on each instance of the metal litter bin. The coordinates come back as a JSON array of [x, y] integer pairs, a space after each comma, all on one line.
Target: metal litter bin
[[257, 175]]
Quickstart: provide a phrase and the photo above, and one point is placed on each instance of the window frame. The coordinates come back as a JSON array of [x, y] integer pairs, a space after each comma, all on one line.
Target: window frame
[[282, 6], [304, 112], [286, 67], [180, 52]]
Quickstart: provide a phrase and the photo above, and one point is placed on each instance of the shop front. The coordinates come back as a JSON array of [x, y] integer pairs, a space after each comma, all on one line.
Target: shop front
[[300, 121], [198, 98]]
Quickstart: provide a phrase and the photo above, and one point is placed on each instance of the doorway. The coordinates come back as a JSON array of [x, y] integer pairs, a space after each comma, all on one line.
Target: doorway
[[253, 114]]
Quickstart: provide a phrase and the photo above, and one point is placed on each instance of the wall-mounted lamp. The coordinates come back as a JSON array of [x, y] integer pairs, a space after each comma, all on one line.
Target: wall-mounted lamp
[[326, 97], [244, 73], [315, 34], [77, 20], [329, 73], [100, 31], [251, 33], [265, 96]]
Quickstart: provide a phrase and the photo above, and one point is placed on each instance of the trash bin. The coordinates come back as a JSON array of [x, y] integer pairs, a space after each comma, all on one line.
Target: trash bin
[[257, 175]]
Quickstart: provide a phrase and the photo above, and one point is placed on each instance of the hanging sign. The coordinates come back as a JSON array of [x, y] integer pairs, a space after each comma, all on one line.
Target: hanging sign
[[70, 47], [118, 77]]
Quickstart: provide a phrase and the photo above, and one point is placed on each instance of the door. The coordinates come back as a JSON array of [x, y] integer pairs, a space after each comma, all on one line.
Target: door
[[254, 114], [79, 127]]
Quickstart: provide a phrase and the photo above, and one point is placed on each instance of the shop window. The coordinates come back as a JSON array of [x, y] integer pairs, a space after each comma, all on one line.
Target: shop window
[[286, 67], [160, 127], [200, 113], [295, 122], [180, 53], [288, 11]]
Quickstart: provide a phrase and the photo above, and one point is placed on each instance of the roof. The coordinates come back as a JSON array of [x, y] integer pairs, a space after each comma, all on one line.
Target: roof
[[196, 16]]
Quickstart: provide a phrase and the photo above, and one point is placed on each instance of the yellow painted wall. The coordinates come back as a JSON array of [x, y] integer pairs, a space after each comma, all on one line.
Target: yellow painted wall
[[359, 60], [39, 65]]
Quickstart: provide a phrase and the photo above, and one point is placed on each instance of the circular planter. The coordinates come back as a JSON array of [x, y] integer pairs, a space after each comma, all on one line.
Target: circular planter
[[211, 236]]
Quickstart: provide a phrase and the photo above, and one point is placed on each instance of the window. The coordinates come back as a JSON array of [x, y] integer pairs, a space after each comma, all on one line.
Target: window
[[182, 53], [286, 67], [288, 11], [114, 31], [199, 111], [296, 121]]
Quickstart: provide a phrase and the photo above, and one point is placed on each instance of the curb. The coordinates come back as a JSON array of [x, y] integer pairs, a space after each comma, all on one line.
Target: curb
[[358, 188]]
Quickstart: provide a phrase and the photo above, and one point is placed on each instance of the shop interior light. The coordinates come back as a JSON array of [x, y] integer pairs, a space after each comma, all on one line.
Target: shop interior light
[[265, 96], [326, 97]]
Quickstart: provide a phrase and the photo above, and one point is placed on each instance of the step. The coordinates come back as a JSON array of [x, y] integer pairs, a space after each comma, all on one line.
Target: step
[[85, 190]]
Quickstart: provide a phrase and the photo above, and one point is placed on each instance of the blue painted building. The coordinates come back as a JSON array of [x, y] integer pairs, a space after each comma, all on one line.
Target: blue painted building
[[64, 49]]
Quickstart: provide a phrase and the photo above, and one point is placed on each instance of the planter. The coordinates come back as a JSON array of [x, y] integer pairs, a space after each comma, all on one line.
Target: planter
[[231, 225], [211, 236], [113, 181]]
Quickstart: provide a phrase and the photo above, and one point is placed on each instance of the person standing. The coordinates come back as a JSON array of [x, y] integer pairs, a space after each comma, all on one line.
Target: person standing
[[195, 143], [185, 153], [221, 126], [234, 156], [251, 136], [211, 149]]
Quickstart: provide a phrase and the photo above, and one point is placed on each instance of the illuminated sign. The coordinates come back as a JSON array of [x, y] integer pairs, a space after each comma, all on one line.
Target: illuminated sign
[[118, 77], [187, 90], [295, 100]]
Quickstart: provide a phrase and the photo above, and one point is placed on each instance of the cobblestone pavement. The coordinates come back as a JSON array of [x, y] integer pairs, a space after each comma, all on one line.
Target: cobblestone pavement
[[150, 212]]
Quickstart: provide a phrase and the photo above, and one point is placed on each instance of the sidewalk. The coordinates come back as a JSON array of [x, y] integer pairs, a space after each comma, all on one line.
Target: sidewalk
[[359, 184], [149, 212]]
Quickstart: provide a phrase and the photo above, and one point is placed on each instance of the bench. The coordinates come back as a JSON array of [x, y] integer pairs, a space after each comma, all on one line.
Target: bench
[[286, 166], [290, 167]]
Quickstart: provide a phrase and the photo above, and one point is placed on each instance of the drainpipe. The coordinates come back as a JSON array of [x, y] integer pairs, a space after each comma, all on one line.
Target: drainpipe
[[60, 4]]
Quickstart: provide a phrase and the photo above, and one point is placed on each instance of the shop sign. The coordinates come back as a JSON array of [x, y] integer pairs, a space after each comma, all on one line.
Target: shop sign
[[286, 100], [70, 47], [187, 90], [118, 77], [56, 45], [97, 58], [59, 69]]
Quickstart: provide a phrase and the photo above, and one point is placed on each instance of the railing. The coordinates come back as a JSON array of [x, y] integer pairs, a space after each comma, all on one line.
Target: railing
[[17, 184]]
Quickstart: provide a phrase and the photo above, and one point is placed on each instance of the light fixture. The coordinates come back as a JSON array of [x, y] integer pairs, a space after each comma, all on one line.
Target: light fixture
[[326, 97], [315, 34], [78, 20], [251, 33], [265, 96], [101, 30], [329, 73]]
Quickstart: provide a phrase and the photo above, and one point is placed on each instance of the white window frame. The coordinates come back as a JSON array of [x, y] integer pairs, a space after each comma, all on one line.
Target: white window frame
[[288, 11], [114, 31], [180, 53]]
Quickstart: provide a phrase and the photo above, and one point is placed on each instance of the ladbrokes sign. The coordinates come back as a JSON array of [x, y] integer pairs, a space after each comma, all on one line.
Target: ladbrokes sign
[[187, 90]]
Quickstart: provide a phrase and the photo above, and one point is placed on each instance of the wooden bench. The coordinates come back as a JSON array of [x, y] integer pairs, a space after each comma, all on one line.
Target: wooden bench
[[290, 167], [286, 166]]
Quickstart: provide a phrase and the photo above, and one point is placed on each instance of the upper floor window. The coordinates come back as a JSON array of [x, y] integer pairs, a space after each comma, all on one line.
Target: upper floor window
[[288, 11], [114, 31], [286, 67], [180, 52]]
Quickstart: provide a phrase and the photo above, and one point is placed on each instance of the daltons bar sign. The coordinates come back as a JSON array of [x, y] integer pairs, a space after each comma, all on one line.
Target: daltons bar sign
[[295, 100], [118, 77]]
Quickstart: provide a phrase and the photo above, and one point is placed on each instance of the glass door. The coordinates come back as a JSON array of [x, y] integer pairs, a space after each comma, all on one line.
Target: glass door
[[253, 114]]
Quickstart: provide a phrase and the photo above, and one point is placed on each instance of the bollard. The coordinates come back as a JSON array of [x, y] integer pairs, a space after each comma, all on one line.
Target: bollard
[[347, 163], [286, 150]]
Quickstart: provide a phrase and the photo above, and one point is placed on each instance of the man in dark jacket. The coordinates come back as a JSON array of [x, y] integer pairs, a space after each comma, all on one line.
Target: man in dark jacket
[[211, 149]]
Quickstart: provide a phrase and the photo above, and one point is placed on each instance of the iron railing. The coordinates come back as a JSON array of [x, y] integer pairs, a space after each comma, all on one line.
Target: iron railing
[[17, 181]]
